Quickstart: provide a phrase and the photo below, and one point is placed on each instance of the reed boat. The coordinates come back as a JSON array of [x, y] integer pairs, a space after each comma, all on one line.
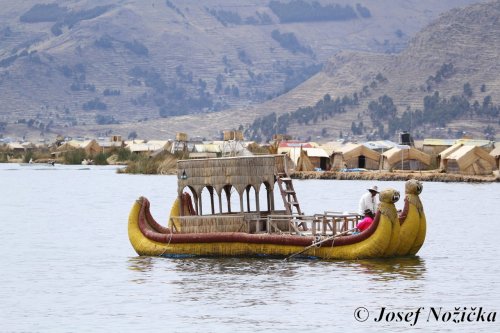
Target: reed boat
[[214, 227], [412, 220]]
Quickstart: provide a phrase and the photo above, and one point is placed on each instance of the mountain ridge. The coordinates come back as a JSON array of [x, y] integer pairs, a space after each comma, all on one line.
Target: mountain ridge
[[54, 77]]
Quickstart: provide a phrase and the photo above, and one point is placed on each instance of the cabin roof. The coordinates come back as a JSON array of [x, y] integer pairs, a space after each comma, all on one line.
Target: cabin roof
[[239, 172]]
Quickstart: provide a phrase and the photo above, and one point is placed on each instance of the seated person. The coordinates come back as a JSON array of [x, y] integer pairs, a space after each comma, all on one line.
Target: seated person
[[366, 221]]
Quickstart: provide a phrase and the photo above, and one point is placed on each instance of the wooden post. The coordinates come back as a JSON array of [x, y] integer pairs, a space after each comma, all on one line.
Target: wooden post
[[220, 202], [242, 209], [211, 190], [248, 198], [228, 198], [257, 205], [200, 211]]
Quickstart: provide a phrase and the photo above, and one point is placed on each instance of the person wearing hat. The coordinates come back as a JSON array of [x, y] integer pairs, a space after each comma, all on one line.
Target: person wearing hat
[[368, 201], [366, 222]]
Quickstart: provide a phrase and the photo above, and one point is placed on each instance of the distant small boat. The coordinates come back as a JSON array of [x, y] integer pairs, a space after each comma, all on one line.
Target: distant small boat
[[36, 164], [257, 232]]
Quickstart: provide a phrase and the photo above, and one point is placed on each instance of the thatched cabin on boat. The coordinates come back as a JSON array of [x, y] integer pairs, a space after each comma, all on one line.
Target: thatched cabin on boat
[[468, 160], [220, 178], [405, 158], [354, 155]]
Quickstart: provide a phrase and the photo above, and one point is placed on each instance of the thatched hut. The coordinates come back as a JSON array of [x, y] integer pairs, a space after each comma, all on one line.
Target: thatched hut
[[405, 158], [91, 147], [496, 155], [469, 160], [304, 162], [355, 156], [18, 147], [445, 153]]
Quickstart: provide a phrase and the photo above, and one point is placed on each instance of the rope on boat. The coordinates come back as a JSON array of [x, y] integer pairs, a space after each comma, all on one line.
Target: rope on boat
[[317, 243], [166, 246]]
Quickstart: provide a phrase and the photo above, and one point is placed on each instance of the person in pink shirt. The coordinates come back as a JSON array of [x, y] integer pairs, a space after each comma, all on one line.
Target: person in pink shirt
[[366, 221]]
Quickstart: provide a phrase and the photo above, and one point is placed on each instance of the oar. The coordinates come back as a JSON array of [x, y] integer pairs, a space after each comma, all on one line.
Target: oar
[[320, 242]]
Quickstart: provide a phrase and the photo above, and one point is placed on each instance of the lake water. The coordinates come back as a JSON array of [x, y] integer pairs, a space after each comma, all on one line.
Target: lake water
[[67, 264]]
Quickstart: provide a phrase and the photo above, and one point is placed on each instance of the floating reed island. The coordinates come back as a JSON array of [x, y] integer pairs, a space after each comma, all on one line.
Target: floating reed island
[[428, 176]]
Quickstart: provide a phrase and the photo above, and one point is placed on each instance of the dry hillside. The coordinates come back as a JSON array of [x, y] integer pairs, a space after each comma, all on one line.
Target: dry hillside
[[85, 62], [467, 38]]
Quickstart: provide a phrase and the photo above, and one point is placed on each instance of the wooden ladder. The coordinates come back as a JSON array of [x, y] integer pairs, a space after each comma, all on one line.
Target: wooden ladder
[[288, 194]]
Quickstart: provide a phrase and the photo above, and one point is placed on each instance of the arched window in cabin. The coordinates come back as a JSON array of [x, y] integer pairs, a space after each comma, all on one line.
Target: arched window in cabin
[[207, 201], [230, 200], [266, 200]]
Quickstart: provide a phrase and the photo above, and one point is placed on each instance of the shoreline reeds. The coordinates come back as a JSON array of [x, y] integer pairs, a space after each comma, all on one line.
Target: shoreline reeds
[[396, 176]]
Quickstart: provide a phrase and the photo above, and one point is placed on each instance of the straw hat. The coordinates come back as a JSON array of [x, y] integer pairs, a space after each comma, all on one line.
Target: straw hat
[[374, 188]]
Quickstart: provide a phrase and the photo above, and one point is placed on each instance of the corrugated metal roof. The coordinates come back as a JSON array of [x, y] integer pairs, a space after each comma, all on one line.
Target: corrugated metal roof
[[476, 142], [450, 142], [293, 144], [381, 144], [207, 148], [138, 147], [439, 142]]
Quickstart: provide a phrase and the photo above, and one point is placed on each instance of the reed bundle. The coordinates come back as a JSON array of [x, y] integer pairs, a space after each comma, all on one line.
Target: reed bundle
[[211, 223]]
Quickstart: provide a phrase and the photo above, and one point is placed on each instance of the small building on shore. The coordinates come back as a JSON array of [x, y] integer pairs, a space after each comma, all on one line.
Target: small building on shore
[[436, 146], [149, 147], [20, 147], [206, 150], [313, 159], [404, 157], [469, 160], [306, 156], [353, 155], [113, 143]]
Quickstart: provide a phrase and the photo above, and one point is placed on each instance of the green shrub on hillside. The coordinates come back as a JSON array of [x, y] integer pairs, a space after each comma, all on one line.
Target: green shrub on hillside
[[302, 11], [43, 13]]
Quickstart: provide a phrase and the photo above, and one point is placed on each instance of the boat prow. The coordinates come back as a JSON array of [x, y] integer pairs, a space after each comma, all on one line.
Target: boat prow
[[412, 220]]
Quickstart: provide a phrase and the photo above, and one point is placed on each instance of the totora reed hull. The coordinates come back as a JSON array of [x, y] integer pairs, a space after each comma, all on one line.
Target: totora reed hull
[[151, 239]]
